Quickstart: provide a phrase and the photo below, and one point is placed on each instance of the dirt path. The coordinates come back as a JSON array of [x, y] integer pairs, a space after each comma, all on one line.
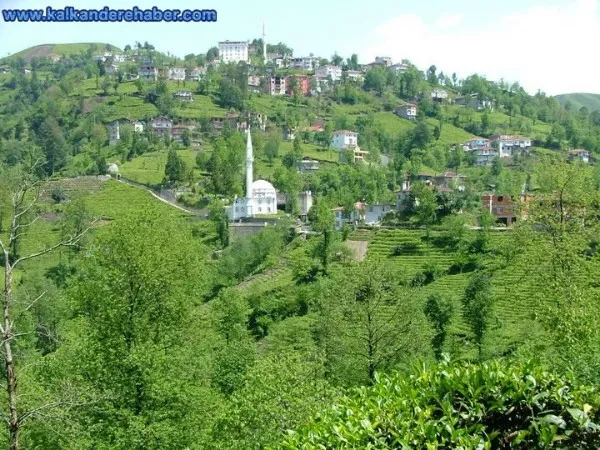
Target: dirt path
[[359, 248]]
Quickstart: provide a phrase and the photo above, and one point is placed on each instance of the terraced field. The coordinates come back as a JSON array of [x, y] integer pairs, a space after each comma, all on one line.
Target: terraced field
[[511, 286]]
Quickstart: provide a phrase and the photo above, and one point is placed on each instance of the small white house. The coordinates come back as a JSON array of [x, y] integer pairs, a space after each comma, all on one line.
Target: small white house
[[408, 111], [113, 170], [176, 74], [185, 96], [344, 139], [138, 127], [579, 155]]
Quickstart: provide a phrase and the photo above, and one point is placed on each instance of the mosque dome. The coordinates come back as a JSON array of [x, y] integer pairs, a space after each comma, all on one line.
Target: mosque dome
[[262, 188]]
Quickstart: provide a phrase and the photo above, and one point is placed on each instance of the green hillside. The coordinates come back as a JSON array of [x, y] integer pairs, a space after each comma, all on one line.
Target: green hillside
[[62, 49], [579, 100]]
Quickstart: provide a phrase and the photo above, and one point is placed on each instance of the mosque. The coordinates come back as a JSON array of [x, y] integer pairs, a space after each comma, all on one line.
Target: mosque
[[261, 197]]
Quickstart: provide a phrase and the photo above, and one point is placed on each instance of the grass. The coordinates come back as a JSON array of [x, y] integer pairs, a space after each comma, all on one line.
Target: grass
[[580, 100], [61, 49], [150, 167]]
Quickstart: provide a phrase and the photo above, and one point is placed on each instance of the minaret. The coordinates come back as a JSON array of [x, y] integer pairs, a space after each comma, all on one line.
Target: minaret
[[249, 165], [264, 44]]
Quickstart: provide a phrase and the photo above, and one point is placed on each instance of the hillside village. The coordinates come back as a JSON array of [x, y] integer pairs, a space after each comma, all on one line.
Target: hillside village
[[280, 74], [249, 248]]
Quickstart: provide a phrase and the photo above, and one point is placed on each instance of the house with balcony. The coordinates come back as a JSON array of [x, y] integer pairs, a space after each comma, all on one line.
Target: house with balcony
[[399, 68], [195, 74], [334, 73], [579, 154], [476, 143], [506, 209], [510, 145], [407, 111], [177, 131], [276, 85], [148, 72], [308, 63], [161, 126]]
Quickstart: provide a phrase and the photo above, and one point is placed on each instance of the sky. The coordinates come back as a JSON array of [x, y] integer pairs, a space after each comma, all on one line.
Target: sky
[[548, 45]]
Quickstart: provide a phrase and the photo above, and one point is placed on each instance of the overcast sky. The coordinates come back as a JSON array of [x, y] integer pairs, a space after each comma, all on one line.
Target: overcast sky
[[549, 45]]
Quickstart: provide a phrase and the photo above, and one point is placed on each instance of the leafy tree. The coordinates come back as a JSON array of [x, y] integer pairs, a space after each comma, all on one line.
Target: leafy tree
[[425, 208], [321, 219], [439, 312], [369, 324], [53, 144], [132, 365], [24, 191], [219, 217], [477, 304], [175, 168], [272, 146], [186, 138]]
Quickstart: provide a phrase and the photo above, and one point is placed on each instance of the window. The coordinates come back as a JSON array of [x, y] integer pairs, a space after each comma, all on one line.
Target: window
[[500, 198]]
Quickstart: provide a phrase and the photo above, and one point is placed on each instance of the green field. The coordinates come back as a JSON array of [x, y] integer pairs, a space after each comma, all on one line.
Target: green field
[[62, 49], [150, 168]]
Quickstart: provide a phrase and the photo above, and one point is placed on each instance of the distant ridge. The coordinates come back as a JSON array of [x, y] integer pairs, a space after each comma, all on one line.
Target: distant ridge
[[579, 100], [61, 49]]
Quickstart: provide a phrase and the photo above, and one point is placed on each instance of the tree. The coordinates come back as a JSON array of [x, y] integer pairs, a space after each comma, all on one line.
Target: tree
[[477, 304], [425, 208], [439, 312], [175, 168], [321, 219], [53, 143], [133, 357], [25, 191], [212, 54], [219, 217], [186, 138], [272, 146], [369, 323], [336, 59]]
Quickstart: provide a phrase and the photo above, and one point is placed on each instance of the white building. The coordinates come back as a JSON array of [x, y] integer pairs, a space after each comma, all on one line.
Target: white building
[[383, 60], [439, 95], [408, 111], [304, 63], [374, 214], [354, 75], [399, 68], [344, 139], [113, 133], [177, 74], [261, 197], [196, 74], [329, 71], [138, 127], [508, 145], [233, 51], [580, 155], [119, 57], [185, 96]]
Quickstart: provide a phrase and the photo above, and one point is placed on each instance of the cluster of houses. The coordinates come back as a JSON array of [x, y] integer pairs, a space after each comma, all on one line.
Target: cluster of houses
[[497, 146]]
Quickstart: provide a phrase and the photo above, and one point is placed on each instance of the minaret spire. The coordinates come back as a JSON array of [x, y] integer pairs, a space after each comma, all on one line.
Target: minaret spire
[[264, 44], [249, 165]]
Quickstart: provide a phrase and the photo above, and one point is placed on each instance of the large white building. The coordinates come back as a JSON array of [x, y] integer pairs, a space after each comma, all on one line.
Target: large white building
[[261, 197], [233, 51], [509, 145], [305, 63], [333, 72]]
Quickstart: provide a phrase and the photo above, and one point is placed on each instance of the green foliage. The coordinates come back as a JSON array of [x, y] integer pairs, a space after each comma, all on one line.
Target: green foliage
[[175, 169], [477, 304], [439, 312], [492, 405]]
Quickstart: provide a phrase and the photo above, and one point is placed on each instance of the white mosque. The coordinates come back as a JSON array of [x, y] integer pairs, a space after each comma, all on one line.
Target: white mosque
[[261, 197]]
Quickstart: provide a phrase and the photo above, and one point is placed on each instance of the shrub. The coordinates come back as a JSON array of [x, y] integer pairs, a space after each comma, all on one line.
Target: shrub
[[492, 405]]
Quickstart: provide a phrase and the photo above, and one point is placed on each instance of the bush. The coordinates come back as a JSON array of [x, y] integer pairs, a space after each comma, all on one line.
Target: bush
[[408, 248], [58, 195], [492, 405]]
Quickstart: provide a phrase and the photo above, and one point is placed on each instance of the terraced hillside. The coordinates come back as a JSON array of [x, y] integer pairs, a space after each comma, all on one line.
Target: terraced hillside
[[513, 292]]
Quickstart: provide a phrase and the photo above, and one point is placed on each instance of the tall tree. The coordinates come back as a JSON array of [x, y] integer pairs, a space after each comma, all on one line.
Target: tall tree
[[25, 191], [477, 305]]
